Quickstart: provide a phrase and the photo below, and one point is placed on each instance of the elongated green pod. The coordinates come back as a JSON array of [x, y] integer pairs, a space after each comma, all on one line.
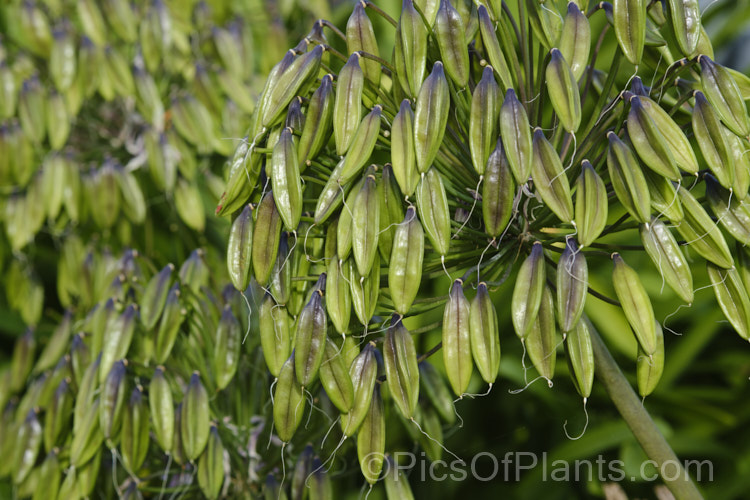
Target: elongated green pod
[[676, 141], [451, 39], [396, 483], [362, 146], [711, 137], [666, 255], [405, 269], [371, 440], [629, 19], [364, 289], [492, 48], [117, 339], [592, 207], [365, 229], [635, 303], [563, 91], [347, 108], [194, 424], [724, 95], [484, 334], [318, 122], [112, 397], [498, 192], [527, 292], [286, 181], [334, 376], [134, 435], [338, 295], [663, 194], [483, 119], [628, 179], [580, 355], [309, 345], [391, 211], [360, 35], [410, 51], [211, 465], [733, 214], [649, 368], [227, 343], [239, 249], [431, 117], [403, 155], [649, 142], [161, 409], [457, 340], [515, 133], [27, 445], [363, 372], [575, 40], [540, 342], [169, 325], [56, 345], [289, 402], [572, 285], [266, 236], [732, 297], [275, 335], [550, 179], [155, 297], [686, 23], [701, 233], [401, 370]]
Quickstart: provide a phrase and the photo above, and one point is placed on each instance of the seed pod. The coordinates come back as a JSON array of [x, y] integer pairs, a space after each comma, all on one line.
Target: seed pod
[[289, 402], [281, 276], [550, 179], [686, 22], [117, 339], [91, 21], [732, 297], [457, 339], [363, 372], [527, 293], [678, 144], [703, 234], [189, 206], [401, 370], [362, 145], [32, 110], [87, 437], [8, 91], [211, 465], [498, 192], [59, 413], [492, 48], [266, 235], [403, 156], [563, 91], [484, 334], [194, 424], [629, 19], [302, 470], [347, 108], [591, 208], [410, 51], [371, 440], [432, 203], [663, 196], [161, 409], [243, 175], [58, 121], [740, 148], [52, 352], [666, 255], [572, 285], [155, 296], [360, 35], [540, 342], [396, 483], [575, 40], [334, 376], [483, 119], [365, 225], [650, 367], [649, 142], [580, 357], [331, 196], [309, 345], [275, 336], [239, 249], [734, 215], [724, 95], [364, 290], [635, 303], [628, 179], [405, 269], [286, 180], [112, 396], [169, 326], [321, 487], [338, 296], [49, 475], [132, 196], [318, 122], [27, 443], [449, 32], [711, 137], [431, 117], [391, 212], [134, 436], [227, 343]]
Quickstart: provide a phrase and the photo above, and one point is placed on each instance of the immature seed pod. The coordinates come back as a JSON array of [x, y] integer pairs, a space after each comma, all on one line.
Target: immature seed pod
[[702, 233], [492, 48], [363, 372], [338, 295], [88, 388], [364, 289], [498, 192], [334, 376], [281, 276], [28, 440], [117, 339], [650, 367], [169, 326], [155, 296], [243, 174], [194, 421], [527, 293], [575, 40], [732, 297], [563, 91], [733, 214], [405, 269], [483, 119], [403, 156], [58, 417], [227, 343], [396, 483], [741, 155], [49, 476], [629, 19], [302, 470], [58, 121], [371, 440], [362, 146], [266, 235], [161, 409], [431, 117], [211, 465], [515, 133], [239, 249], [410, 51], [112, 397], [723, 93], [289, 402], [401, 370], [628, 179], [126, 25], [484, 334], [286, 181], [344, 222], [540, 342], [318, 122], [432, 204], [275, 334], [365, 227], [649, 142], [8, 91], [572, 285], [635, 303], [550, 179], [591, 208], [56, 345], [666, 255], [87, 437], [686, 22], [678, 144], [91, 21], [347, 108], [391, 211], [457, 339], [134, 202], [309, 345], [134, 435], [711, 137], [360, 36], [451, 39], [663, 194], [580, 355], [32, 110]]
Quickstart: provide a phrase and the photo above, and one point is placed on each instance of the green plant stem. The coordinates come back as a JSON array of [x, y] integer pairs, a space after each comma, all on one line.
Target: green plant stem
[[642, 426]]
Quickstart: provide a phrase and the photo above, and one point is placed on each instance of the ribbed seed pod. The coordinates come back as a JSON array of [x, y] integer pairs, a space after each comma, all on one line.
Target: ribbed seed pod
[[365, 227], [338, 295], [155, 297], [527, 293], [432, 204], [58, 417], [563, 91], [266, 235], [650, 367], [635, 303], [281, 276], [360, 35], [515, 133], [344, 222], [275, 334], [649, 142], [49, 474], [540, 342], [396, 483], [666, 255], [572, 285], [733, 214], [187, 200], [363, 372], [678, 144], [741, 155], [302, 470], [403, 155], [87, 437], [134, 435], [457, 339], [575, 40], [239, 249], [628, 179], [410, 51], [431, 117], [686, 22], [169, 326], [335, 379], [629, 19], [405, 269], [580, 357], [321, 487], [449, 32], [492, 48], [550, 179], [32, 110], [243, 174], [318, 122], [177, 451], [401, 370], [117, 339], [484, 334], [194, 422], [591, 209], [663, 194], [289, 402], [28, 440], [703, 234], [56, 345], [124, 21], [364, 289], [711, 137], [371, 440], [58, 121], [483, 119], [134, 203], [88, 388], [309, 345], [86, 476], [498, 192], [112, 397], [732, 297], [391, 211], [722, 92], [227, 343], [347, 108], [211, 465], [286, 181], [8, 91], [362, 145], [161, 409]]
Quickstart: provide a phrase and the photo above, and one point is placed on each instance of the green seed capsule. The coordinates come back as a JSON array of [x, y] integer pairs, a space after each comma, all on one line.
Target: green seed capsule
[[580, 355], [134, 436], [266, 235], [722, 92], [711, 137], [338, 295], [239, 249], [365, 227], [87, 437], [364, 289], [457, 340], [575, 40], [227, 343], [563, 91], [362, 145], [432, 203], [635, 303], [27, 444], [56, 345], [686, 22], [678, 144], [334, 376], [527, 293], [550, 179], [360, 36], [347, 108], [117, 339], [405, 269], [281, 276], [591, 208], [483, 119], [169, 326], [371, 440], [50, 474], [32, 110], [309, 345], [628, 179], [703, 234], [650, 367], [572, 285], [391, 212], [59, 413], [289, 402], [493, 50], [733, 214], [286, 180], [161, 409], [363, 372], [741, 155], [451, 39], [112, 397], [431, 117], [666, 255], [732, 297], [484, 334], [540, 342], [401, 370], [211, 466], [344, 223], [498, 192], [629, 19], [318, 122], [396, 483], [403, 156], [410, 51], [155, 297], [649, 142], [275, 335], [663, 194], [194, 424]]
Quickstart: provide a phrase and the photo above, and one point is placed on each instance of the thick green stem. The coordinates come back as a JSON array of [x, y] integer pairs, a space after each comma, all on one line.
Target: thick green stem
[[635, 415]]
